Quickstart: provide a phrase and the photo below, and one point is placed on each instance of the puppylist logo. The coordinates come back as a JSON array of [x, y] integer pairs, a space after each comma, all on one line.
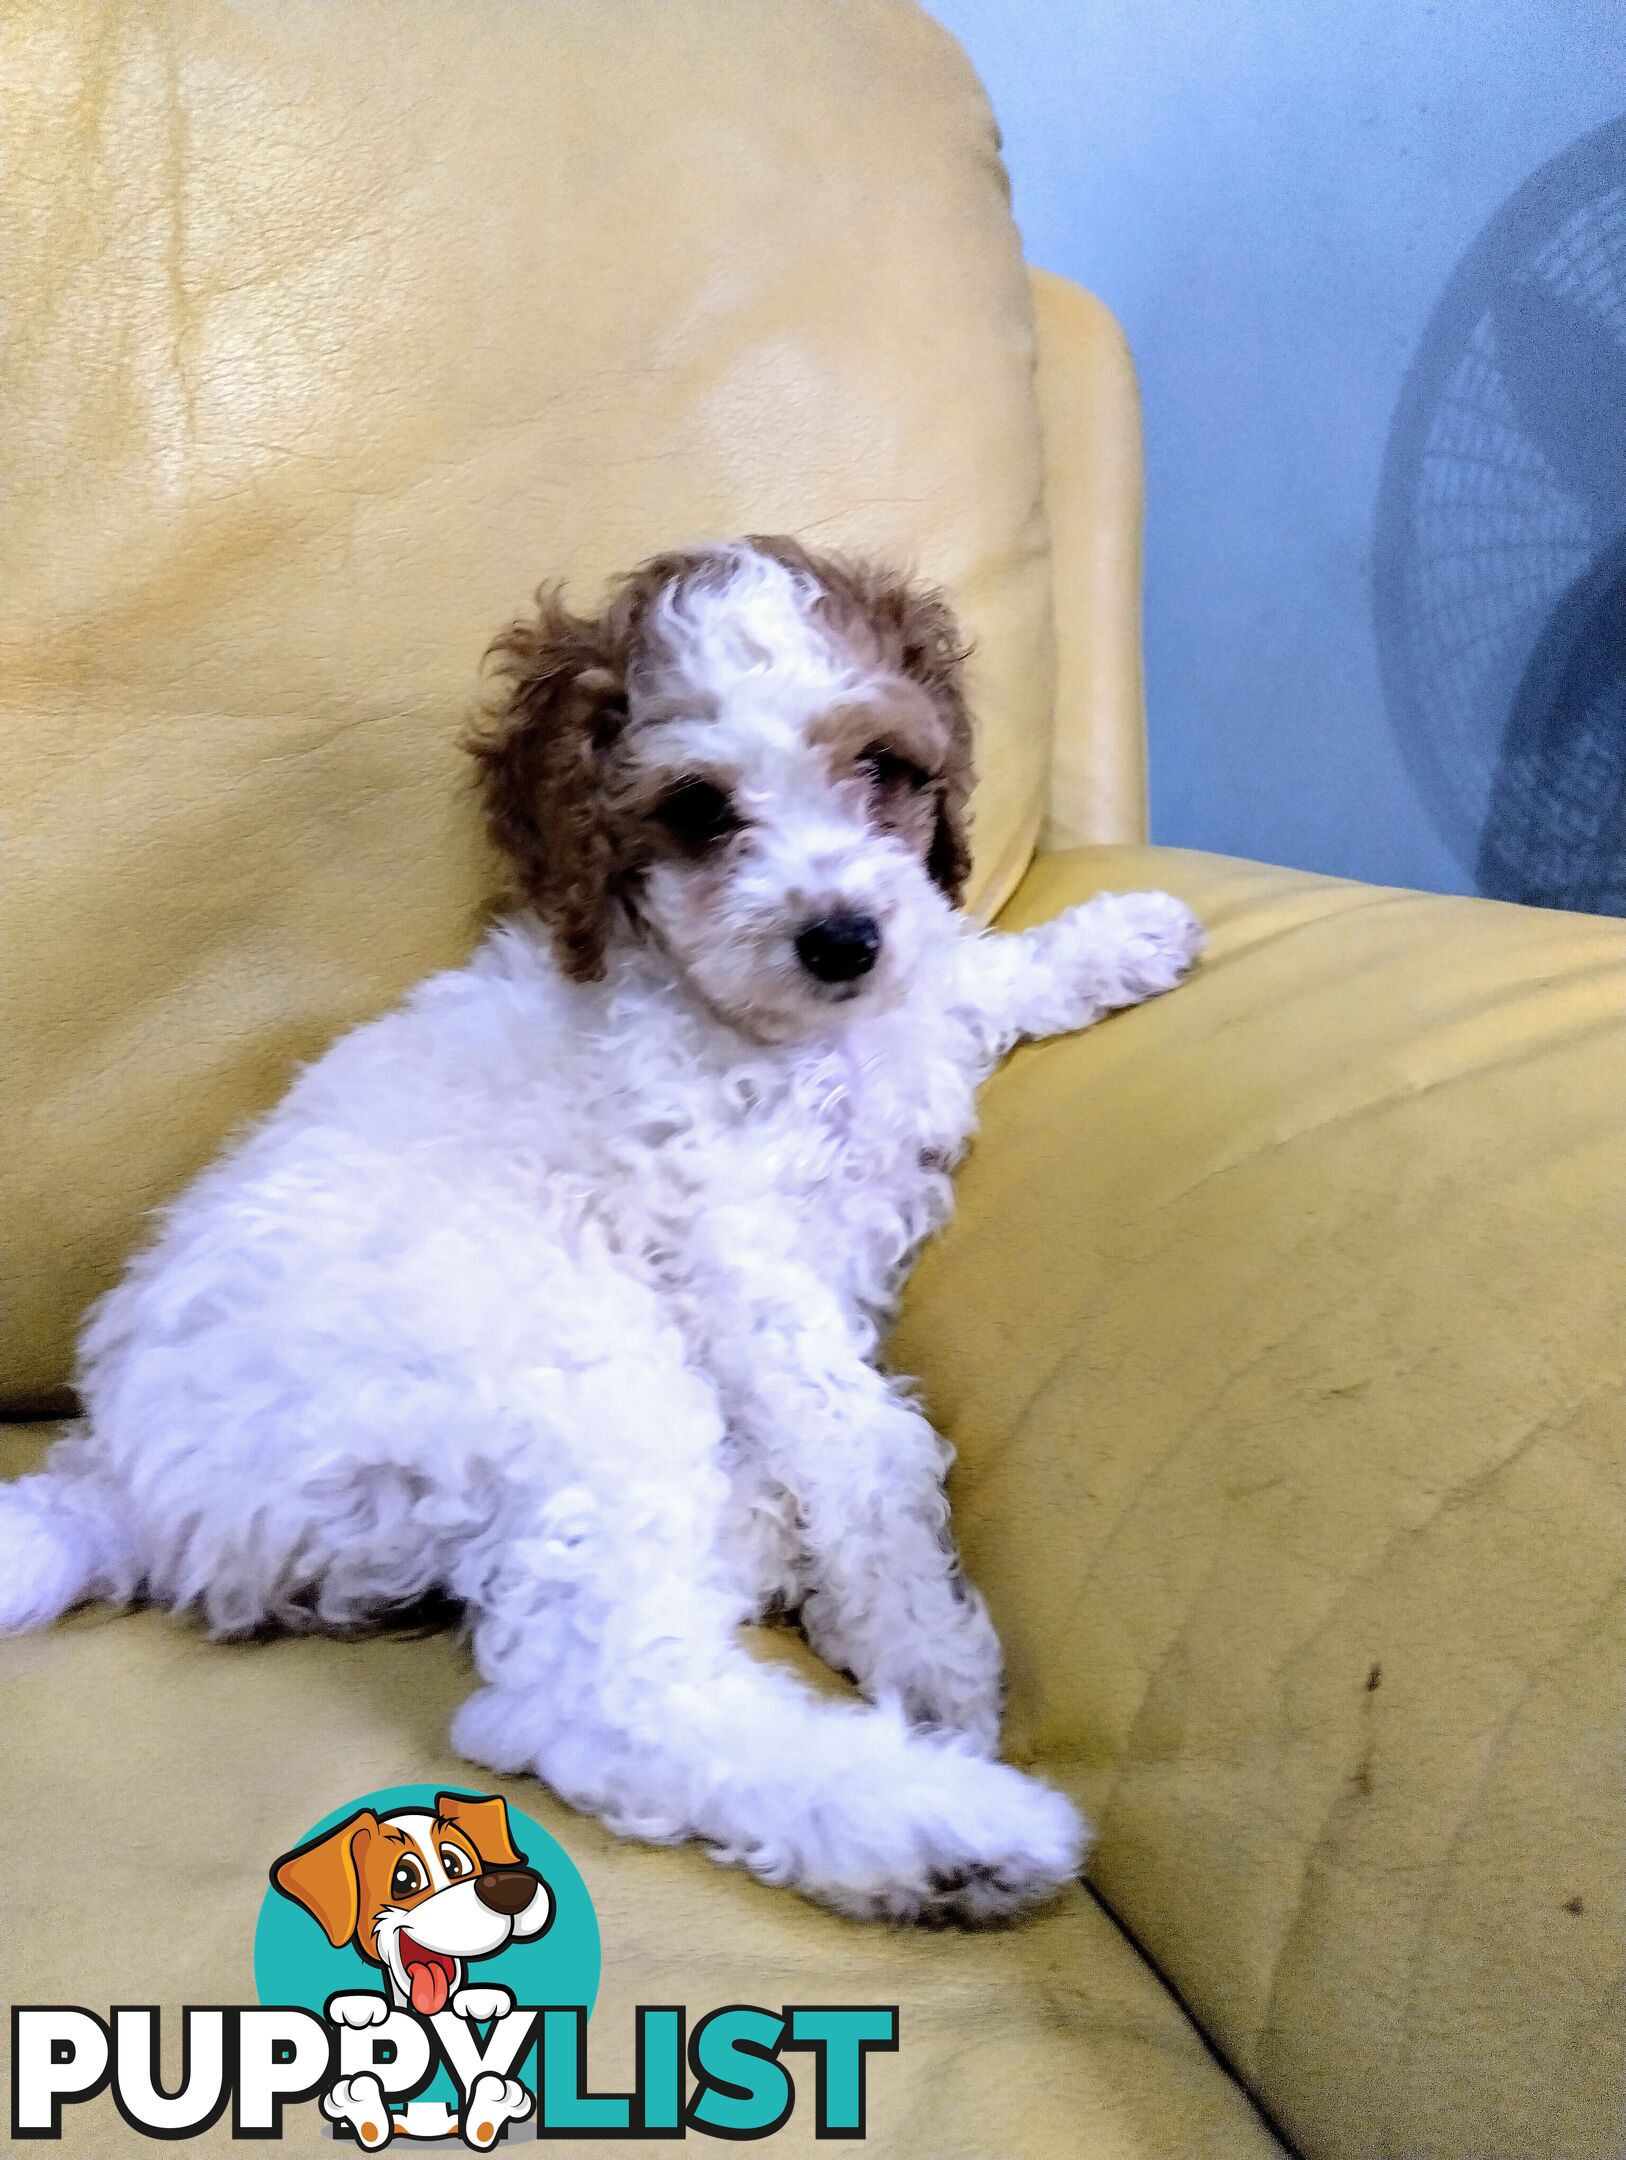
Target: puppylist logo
[[426, 1964]]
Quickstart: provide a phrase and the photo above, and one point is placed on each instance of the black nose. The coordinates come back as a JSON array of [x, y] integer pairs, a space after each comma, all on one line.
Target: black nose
[[506, 1890], [840, 948]]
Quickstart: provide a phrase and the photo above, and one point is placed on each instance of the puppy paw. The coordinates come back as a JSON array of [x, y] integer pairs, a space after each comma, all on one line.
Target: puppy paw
[[952, 1840], [358, 2010], [1023, 1848], [481, 2004], [1155, 939], [360, 2102], [492, 2102]]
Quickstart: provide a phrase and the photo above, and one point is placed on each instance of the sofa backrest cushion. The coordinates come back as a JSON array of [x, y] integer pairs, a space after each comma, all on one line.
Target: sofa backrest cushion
[[333, 329]]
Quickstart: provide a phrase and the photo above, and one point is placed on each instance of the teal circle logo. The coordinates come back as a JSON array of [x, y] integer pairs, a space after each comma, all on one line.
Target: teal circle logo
[[327, 1892]]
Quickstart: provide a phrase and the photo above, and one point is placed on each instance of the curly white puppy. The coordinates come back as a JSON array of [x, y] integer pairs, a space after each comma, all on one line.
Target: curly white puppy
[[562, 1288]]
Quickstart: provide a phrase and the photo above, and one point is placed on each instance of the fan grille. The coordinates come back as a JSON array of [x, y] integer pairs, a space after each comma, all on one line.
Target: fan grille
[[1501, 608]]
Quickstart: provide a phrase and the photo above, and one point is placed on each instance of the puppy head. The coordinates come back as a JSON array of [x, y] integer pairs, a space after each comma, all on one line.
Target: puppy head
[[419, 1891], [758, 759]]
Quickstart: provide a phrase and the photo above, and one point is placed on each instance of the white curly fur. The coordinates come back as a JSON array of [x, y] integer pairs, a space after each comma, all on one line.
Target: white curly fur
[[567, 1298]]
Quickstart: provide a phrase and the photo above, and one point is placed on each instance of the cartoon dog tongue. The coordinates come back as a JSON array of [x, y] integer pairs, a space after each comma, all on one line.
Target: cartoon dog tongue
[[430, 1984]]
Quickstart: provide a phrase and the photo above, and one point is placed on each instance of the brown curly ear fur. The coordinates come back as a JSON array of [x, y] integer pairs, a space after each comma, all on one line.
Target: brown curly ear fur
[[935, 654], [539, 752], [914, 629]]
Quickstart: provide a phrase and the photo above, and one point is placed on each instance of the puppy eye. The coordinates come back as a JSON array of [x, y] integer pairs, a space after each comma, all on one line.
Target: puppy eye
[[697, 816], [455, 1861], [407, 1880], [887, 770]]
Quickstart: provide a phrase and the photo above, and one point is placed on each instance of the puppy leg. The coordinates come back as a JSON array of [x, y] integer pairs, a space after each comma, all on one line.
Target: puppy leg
[[60, 1540], [1115, 950], [888, 1602], [605, 1628]]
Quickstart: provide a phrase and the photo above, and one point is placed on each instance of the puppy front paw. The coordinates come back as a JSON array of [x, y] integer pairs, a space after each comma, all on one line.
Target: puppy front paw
[[480, 2004], [1155, 939], [358, 2011]]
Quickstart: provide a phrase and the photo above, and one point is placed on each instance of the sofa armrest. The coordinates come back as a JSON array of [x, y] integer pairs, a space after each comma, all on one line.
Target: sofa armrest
[[1280, 1335], [1089, 410]]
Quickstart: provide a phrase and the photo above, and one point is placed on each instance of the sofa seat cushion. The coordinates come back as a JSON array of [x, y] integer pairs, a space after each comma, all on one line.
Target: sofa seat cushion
[[1281, 1334], [329, 332], [184, 1767]]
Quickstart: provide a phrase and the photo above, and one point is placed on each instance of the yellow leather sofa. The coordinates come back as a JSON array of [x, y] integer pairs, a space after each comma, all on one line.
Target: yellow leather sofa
[[1280, 1329]]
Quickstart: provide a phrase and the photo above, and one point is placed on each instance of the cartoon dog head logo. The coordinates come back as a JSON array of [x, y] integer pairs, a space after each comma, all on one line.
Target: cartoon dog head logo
[[420, 1893]]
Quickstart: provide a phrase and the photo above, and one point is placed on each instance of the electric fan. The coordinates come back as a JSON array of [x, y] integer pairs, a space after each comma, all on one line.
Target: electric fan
[[1500, 586]]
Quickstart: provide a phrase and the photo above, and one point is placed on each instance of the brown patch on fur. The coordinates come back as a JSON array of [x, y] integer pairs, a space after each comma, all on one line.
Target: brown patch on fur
[[897, 743], [537, 754], [902, 718], [568, 820], [544, 754], [910, 628]]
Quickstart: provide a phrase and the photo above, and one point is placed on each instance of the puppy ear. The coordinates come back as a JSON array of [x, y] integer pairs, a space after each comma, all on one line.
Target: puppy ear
[[486, 1825], [539, 753], [934, 653], [325, 1875]]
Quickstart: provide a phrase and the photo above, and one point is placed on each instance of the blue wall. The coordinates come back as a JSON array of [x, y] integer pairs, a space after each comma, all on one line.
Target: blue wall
[[1275, 196]]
